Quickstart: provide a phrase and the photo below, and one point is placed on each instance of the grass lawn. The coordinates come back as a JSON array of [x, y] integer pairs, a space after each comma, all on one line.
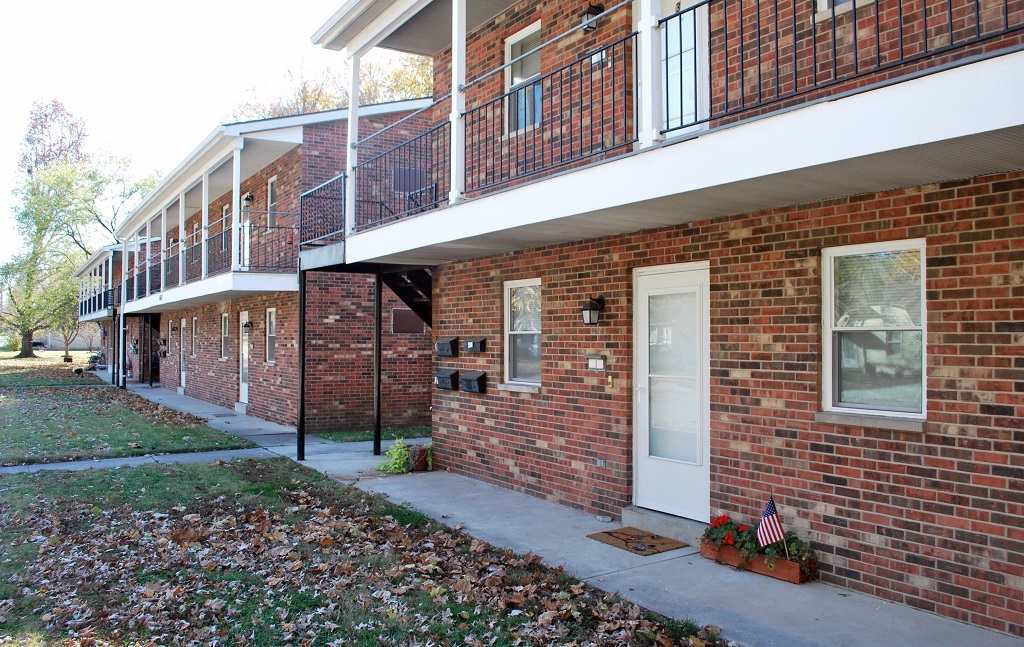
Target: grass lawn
[[47, 369], [271, 553], [43, 420], [385, 434]]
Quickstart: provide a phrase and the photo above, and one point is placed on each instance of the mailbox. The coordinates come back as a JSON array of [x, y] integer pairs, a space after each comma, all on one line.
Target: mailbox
[[446, 378], [474, 344], [474, 382], [446, 347]]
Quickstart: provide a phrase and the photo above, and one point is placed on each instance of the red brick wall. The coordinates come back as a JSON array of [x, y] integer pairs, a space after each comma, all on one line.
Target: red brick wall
[[931, 520]]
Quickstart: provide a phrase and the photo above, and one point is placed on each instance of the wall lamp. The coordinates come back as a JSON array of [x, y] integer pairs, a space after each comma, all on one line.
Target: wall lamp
[[246, 328], [589, 16], [246, 200], [592, 310]]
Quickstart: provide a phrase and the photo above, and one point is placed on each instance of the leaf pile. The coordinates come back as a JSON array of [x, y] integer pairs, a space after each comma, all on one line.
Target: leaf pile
[[321, 571]]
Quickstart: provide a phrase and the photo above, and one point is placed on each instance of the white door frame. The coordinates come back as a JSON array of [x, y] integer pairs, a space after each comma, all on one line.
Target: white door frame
[[243, 358], [181, 351], [655, 487]]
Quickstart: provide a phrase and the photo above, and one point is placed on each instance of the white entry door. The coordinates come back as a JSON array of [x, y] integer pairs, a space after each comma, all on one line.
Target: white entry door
[[181, 352], [671, 404], [243, 358]]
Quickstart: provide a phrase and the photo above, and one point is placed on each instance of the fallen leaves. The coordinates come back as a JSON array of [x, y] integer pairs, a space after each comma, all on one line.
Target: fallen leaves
[[219, 572]]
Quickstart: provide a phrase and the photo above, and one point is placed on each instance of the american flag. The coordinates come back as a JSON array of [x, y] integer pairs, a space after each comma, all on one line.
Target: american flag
[[769, 530]]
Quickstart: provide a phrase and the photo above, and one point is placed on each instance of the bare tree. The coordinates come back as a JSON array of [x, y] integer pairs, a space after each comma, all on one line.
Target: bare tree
[[53, 133]]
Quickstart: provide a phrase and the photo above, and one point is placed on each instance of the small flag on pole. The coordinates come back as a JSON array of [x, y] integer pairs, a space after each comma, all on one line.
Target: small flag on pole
[[769, 530]]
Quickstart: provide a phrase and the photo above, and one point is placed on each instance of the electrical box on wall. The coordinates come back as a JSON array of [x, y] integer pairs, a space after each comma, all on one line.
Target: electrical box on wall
[[474, 344], [447, 379], [474, 381], [446, 347]]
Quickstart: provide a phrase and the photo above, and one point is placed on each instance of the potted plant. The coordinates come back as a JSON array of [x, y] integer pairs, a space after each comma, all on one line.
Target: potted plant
[[402, 458], [728, 542]]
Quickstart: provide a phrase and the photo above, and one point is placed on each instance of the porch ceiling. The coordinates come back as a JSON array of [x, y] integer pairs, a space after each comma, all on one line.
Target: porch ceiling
[[426, 33]]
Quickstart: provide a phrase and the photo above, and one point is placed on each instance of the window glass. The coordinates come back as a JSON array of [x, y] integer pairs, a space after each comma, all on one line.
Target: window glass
[[876, 330], [271, 334], [524, 108], [224, 336], [523, 331]]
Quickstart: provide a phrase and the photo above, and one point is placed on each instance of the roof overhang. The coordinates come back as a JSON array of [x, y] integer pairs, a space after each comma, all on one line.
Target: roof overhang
[[412, 26], [99, 257], [222, 287]]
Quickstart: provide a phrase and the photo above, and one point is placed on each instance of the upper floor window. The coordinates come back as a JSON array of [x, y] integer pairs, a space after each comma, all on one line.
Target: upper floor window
[[272, 202], [522, 331], [225, 226], [271, 335], [874, 317], [525, 94]]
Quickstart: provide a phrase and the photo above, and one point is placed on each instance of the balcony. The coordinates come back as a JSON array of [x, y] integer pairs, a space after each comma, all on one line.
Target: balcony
[[97, 303], [717, 66], [216, 268]]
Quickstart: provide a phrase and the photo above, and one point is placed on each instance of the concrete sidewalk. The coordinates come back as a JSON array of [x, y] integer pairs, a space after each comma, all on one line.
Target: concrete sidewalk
[[751, 609]]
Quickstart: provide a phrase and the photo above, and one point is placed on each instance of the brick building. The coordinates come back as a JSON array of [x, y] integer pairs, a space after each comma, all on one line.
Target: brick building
[[809, 255], [211, 294], [99, 300]]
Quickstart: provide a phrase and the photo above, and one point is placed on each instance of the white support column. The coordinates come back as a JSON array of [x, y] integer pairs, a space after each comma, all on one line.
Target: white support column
[[120, 321], [458, 122], [163, 249], [649, 73], [181, 238], [204, 235], [352, 153], [236, 201], [149, 253]]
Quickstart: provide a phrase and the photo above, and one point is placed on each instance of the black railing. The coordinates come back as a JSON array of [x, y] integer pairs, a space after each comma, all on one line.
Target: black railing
[[154, 274], [408, 179], [218, 252], [115, 296], [579, 111], [322, 213], [267, 249], [171, 275], [194, 262], [129, 293], [725, 57]]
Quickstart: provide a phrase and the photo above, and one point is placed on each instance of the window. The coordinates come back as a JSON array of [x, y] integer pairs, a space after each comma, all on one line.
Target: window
[[194, 242], [271, 335], [224, 336], [272, 202], [874, 316], [522, 331], [524, 101], [195, 327], [225, 224]]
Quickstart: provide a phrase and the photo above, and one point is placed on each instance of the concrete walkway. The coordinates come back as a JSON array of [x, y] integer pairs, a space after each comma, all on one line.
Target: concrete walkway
[[751, 609]]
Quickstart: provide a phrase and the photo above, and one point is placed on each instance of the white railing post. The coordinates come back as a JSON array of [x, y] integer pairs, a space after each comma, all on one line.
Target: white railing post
[[163, 249], [205, 233], [181, 238], [649, 74], [236, 201], [351, 151], [458, 101]]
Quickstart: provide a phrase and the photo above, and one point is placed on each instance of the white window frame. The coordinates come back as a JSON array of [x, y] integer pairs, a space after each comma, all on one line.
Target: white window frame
[[225, 330], [225, 215], [273, 189], [271, 335], [829, 329], [510, 42], [195, 327], [508, 333]]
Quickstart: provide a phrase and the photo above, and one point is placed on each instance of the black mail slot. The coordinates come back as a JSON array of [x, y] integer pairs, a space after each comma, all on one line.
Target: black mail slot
[[446, 347], [474, 382], [446, 378], [474, 344]]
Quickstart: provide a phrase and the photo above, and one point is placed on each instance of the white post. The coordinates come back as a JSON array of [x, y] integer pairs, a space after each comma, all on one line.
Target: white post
[[236, 200], [649, 74], [458, 122], [352, 153], [205, 233], [121, 352], [181, 238], [149, 253], [163, 248]]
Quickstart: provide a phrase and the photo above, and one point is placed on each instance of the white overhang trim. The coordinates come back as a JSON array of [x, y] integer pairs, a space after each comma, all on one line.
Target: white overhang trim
[[215, 288], [396, 15]]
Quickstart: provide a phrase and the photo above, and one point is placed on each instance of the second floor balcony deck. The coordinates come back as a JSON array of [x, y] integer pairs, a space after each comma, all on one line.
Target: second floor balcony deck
[[710, 67]]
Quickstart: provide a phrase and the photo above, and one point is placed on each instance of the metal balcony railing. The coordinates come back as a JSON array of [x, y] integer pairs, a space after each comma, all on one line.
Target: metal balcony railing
[[218, 252], [171, 275], [322, 213], [581, 110], [268, 249], [408, 179]]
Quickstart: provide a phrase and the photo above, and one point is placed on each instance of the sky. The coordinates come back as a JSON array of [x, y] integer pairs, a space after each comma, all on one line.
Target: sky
[[150, 79]]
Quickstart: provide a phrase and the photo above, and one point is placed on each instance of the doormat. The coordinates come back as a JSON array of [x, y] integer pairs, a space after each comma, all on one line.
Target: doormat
[[637, 541]]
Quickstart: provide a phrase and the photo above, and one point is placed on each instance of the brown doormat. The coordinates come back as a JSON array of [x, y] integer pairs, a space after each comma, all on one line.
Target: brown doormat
[[637, 541]]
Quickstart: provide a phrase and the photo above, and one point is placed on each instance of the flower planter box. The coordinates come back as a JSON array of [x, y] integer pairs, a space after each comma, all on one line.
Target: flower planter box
[[783, 570]]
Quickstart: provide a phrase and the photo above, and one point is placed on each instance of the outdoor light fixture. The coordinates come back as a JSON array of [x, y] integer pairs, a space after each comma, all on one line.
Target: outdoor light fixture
[[247, 328], [592, 310], [589, 16], [246, 200]]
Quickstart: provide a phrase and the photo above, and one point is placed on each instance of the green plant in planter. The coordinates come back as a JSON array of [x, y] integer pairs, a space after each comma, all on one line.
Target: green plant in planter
[[723, 531], [397, 458]]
